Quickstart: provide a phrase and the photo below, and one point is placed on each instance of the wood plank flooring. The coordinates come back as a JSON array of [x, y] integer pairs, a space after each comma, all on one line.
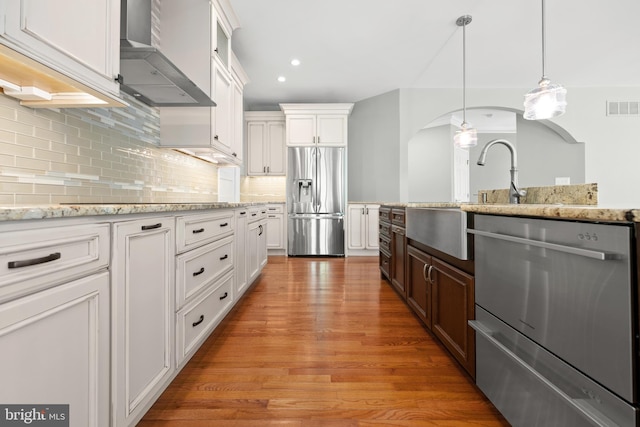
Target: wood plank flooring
[[321, 342]]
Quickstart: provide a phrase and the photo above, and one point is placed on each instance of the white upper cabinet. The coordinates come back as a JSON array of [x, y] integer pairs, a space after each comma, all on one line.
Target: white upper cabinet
[[221, 114], [217, 131], [316, 124], [69, 49], [265, 143]]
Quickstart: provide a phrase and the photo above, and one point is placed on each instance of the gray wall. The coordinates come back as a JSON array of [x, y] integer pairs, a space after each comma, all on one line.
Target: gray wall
[[430, 165], [374, 149]]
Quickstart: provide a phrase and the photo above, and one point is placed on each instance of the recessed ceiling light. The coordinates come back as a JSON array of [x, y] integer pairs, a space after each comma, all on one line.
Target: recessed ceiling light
[[295, 62], [282, 79]]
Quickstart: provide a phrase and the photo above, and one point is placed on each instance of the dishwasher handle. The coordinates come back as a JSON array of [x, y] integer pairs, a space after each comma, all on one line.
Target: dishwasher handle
[[594, 418], [599, 255]]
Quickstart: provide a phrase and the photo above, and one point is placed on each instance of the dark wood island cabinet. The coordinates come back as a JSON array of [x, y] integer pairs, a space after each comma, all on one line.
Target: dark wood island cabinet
[[438, 287]]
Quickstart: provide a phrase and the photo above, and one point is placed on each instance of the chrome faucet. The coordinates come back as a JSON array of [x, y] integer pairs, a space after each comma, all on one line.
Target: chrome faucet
[[514, 192]]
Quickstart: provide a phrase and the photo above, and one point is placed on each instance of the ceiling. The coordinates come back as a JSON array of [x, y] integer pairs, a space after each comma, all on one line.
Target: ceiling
[[351, 50]]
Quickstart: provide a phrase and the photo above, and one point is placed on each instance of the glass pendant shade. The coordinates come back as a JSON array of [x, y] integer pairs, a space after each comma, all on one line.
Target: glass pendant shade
[[546, 101], [466, 137]]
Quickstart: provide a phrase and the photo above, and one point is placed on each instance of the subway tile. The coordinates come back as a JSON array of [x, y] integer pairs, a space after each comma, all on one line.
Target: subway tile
[[78, 191], [7, 113], [65, 129], [16, 150], [49, 134], [64, 148], [77, 160], [16, 187], [78, 142], [64, 167], [14, 126], [7, 199], [89, 170], [33, 165], [6, 136], [48, 189], [53, 156], [32, 199], [29, 118], [7, 160], [32, 141], [56, 117]]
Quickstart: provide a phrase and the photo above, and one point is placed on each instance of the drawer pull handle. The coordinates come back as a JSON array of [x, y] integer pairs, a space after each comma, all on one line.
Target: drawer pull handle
[[224, 257], [199, 230], [243, 213], [197, 322], [199, 272], [226, 294], [27, 262], [254, 214], [151, 227], [224, 224]]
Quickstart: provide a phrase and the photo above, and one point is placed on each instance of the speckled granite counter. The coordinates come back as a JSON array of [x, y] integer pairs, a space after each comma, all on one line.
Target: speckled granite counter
[[79, 210], [588, 213]]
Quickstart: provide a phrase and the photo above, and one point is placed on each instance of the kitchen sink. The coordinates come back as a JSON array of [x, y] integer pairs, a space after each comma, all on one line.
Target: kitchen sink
[[443, 229]]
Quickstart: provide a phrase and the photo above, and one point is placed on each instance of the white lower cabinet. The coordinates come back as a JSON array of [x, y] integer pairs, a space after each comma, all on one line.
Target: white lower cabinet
[[256, 243], [276, 230], [143, 301], [362, 227], [241, 282], [55, 349]]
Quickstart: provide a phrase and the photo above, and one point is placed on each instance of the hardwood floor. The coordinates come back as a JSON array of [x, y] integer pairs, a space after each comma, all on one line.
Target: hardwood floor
[[321, 342]]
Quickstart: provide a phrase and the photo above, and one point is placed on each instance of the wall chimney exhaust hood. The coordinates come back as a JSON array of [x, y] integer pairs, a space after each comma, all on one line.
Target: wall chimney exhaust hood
[[145, 72]]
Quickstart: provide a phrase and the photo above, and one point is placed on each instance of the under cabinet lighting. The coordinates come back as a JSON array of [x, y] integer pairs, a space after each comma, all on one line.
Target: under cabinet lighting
[[282, 79]]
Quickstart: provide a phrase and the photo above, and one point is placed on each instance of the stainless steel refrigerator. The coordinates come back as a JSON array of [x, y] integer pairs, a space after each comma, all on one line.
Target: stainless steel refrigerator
[[315, 201]]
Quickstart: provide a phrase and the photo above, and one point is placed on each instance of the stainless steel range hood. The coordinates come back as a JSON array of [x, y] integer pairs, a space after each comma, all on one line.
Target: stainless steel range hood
[[145, 72]]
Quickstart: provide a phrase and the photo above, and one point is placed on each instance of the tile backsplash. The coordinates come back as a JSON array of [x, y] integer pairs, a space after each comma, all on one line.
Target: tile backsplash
[[263, 189], [96, 155]]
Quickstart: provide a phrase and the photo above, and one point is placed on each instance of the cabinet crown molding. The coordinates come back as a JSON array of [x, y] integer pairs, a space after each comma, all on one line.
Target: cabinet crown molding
[[342, 108], [263, 115]]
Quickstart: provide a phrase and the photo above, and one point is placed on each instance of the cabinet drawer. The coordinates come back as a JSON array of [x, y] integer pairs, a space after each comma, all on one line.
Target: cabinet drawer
[[397, 216], [198, 268], [385, 265], [31, 260], [275, 208], [257, 213], [196, 230], [384, 214], [196, 320], [384, 244], [385, 229]]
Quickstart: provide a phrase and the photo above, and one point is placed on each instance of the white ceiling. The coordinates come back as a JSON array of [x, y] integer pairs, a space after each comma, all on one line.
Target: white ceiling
[[354, 49]]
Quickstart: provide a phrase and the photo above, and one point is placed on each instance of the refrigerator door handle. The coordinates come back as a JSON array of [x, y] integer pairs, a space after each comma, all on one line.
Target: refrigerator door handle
[[316, 195]]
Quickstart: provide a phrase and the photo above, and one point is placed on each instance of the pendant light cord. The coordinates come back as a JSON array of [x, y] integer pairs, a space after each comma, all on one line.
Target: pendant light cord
[[544, 44], [464, 73]]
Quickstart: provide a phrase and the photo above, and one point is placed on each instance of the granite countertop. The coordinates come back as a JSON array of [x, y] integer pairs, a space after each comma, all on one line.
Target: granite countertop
[[579, 212], [12, 213]]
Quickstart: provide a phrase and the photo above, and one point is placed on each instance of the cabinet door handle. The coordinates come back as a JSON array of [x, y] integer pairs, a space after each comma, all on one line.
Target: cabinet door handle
[[366, 210], [234, 154], [424, 272], [226, 294], [35, 261], [222, 258], [199, 272], [429, 274], [224, 224], [264, 169], [268, 168], [199, 230], [197, 322], [362, 211], [260, 227], [215, 137], [151, 227]]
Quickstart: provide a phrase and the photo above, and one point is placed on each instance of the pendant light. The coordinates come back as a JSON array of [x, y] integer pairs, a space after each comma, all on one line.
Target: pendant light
[[467, 136], [548, 99]]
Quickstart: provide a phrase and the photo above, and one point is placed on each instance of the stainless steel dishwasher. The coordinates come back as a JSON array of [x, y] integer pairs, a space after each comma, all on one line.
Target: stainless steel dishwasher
[[555, 310]]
